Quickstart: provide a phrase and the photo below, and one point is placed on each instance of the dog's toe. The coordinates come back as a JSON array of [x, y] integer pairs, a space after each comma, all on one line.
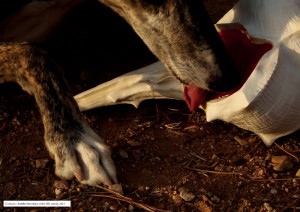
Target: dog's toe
[[95, 161], [67, 166], [88, 159]]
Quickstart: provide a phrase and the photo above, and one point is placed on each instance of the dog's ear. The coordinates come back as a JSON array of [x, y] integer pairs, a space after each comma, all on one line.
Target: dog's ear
[[36, 20]]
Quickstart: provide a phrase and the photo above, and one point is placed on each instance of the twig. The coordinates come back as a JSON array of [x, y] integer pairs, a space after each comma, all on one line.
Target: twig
[[173, 109], [173, 126], [197, 156], [216, 172], [120, 197], [281, 148], [240, 173], [113, 192]]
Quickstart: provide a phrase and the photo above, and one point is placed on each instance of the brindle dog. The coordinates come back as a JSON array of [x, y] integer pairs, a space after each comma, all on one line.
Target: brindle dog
[[178, 32]]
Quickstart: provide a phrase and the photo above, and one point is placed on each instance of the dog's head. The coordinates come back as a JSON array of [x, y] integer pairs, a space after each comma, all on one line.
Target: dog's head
[[181, 34]]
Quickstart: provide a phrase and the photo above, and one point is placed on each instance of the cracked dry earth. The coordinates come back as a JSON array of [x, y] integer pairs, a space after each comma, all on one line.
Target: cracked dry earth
[[168, 158]]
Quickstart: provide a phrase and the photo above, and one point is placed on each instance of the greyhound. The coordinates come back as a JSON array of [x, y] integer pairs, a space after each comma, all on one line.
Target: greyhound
[[181, 35]]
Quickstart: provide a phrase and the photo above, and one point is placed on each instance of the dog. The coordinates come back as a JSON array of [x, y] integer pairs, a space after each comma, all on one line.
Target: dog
[[180, 34]]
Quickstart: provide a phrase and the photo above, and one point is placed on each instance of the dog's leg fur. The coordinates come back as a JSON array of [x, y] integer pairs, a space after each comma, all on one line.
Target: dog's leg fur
[[76, 148]]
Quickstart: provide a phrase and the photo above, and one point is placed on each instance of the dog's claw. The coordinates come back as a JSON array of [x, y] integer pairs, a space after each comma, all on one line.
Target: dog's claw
[[79, 175]]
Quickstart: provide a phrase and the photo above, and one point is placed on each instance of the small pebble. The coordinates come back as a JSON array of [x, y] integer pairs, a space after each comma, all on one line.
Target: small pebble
[[260, 173], [113, 208], [275, 175], [134, 143], [41, 163], [268, 207], [123, 154], [281, 163], [215, 199], [274, 191], [130, 208], [117, 188], [202, 191], [17, 122], [61, 184], [176, 199], [186, 195], [57, 191], [242, 142], [298, 173], [295, 183], [214, 157]]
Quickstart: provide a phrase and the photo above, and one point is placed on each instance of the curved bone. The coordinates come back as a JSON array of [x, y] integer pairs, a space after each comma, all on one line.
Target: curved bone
[[150, 82]]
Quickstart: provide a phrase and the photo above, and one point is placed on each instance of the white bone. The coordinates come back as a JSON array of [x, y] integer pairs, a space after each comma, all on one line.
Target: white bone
[[150, 82], [268, 104]]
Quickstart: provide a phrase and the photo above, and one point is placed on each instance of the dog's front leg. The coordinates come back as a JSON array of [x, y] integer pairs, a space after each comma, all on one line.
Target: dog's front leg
[[78, 151]]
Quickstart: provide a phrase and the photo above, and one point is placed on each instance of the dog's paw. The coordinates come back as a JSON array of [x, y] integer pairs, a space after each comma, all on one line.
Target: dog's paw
[[86, 157]]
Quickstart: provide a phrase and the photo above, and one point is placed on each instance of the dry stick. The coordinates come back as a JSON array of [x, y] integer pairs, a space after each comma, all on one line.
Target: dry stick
[[216, 172], [281, 148], [241, 173], [120, 197], [173, 126], [197, 156]]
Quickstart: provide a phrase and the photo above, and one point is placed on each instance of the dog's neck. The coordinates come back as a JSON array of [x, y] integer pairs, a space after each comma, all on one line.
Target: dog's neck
[[181, 34]]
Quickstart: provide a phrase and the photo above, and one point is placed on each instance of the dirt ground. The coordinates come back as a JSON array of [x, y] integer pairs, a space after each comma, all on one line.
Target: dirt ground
[[167, 157]]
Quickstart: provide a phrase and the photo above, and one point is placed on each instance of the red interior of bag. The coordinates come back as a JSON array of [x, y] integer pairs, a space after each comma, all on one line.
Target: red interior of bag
[[245, 52]]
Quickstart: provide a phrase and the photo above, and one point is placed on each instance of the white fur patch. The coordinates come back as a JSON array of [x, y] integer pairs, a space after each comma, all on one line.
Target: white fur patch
[[89, 160]]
